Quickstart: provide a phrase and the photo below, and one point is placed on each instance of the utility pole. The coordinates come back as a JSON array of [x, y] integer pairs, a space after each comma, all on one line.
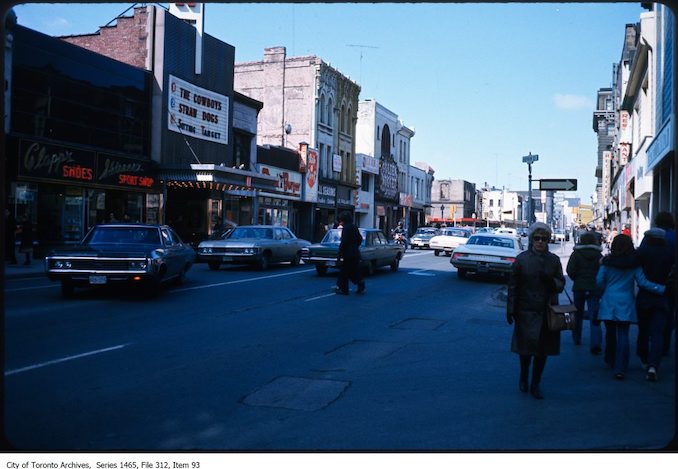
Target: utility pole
[[529, 159]]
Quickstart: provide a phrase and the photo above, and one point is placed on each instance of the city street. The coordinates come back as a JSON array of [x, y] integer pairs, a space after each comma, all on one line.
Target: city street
[[240, 359]]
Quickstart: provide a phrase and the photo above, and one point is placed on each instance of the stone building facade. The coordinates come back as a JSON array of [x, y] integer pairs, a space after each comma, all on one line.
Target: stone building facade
[[307, 102]]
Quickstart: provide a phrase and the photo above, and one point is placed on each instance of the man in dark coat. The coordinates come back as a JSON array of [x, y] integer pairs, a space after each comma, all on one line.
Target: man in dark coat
[[536, 279], [349, 255], [582, 268], [654, 312]]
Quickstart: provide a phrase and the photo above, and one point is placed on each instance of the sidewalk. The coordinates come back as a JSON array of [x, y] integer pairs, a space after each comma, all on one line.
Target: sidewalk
[[19, 270]]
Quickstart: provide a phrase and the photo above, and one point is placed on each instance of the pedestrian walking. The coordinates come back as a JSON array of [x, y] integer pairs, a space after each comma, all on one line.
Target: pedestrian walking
[[665, 221], [349, 255], [615, 278], [10, 237], [626, 230], [26, 242], [582, 268], [535, 281], [656, 259]]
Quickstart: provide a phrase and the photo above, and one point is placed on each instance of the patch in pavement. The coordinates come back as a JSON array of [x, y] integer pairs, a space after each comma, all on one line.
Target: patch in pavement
[[365, 350], [418, 323], [289, 392]]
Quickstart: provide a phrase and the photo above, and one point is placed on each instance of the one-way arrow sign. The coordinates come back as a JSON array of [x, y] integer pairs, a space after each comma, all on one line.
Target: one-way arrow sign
[[557, 184]]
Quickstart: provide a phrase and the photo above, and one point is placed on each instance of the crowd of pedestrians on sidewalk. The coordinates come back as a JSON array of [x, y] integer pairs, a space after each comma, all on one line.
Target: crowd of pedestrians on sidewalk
[[604, 289]]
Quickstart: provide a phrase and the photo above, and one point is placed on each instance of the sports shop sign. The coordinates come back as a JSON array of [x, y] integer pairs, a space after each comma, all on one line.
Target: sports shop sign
[[197, 112], [66, 164]]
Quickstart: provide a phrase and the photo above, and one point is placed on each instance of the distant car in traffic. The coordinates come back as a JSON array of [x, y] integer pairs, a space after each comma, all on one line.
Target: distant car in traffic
[[257, 245], [448, 239], [422, 237], [487, 253], [559, 235], [375, 251], [121, 253]]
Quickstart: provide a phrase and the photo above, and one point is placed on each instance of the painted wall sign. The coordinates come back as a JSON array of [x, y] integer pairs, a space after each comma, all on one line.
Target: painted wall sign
[[387, 181], [197, 112], [288, 181], [327, 195], [117, 171], [370, 164]]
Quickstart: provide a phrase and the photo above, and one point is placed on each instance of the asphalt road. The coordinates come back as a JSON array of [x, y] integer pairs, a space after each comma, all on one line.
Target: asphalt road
[[246, 360]]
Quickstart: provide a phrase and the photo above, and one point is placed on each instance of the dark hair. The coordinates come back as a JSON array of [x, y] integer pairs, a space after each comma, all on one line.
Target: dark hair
[[664, 220], [588, 238], [346, 217], [622, 245]]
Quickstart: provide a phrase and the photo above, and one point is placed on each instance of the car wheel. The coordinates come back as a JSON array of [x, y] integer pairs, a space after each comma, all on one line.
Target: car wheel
[[296, 259], [436, 253], [214, 265], [461, 273], [181, 277], [67, 290], [265, 262], [321, 270], [395, 264], [371, 267]]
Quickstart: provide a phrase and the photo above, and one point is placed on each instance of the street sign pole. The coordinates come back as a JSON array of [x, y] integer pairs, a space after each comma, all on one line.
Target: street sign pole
[[529, 159]]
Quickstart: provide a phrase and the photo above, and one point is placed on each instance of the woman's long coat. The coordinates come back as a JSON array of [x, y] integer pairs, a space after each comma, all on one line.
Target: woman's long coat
[[536, 280]]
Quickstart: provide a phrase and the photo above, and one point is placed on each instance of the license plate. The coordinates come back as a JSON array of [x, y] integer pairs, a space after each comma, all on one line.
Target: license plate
[[227, 258], [482, 267], [97, 280], [331, 263]]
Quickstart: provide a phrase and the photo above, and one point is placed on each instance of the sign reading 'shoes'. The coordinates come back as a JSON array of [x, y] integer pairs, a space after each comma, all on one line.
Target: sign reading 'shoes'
[[197, 112]]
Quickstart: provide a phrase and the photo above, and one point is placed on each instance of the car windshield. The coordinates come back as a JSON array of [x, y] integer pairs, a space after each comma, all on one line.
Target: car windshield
[[426, 231], [491, 241], [457, 233], [332, 236], [123, 235], [251, 232]]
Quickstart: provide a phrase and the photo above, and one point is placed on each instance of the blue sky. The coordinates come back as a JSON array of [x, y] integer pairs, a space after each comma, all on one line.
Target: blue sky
[[482, 84]]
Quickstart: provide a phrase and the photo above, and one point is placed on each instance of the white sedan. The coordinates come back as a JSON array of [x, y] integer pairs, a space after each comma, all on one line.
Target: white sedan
[[487, 252], [449, 239]]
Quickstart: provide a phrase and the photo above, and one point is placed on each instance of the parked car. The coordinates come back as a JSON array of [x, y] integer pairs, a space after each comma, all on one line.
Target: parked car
[[119, 253], [375, 251], [422, 237], [448, 239], [558, 236], [507, 231], [487, 252], [258, 245]]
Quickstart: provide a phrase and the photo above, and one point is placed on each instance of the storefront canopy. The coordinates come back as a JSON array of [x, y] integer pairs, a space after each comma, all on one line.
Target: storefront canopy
[[217, 177]]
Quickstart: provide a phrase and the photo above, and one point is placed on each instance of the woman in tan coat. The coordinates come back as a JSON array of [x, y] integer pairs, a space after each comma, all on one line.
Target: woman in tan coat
[[536, 279]]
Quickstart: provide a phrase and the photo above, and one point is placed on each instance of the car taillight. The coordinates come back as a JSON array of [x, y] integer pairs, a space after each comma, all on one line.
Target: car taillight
[[510, 259], [457, 255]]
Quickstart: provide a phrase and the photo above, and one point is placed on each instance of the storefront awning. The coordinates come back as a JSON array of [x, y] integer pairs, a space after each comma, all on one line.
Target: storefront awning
[[211, 176]]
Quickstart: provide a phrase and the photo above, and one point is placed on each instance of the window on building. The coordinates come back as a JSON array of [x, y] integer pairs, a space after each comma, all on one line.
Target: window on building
[[365, 182], [330, 112], [378, 133], [491, 202], [342, 119], [323, 107], [348, 121]]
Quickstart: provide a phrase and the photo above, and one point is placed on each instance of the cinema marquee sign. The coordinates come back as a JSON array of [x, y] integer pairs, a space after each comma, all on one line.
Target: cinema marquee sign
[[197, 112], [59, 163]]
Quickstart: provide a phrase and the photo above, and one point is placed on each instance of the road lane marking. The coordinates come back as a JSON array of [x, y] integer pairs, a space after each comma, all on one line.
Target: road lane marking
[[423, 272], [319, 297], [65, 359], [29, 288], [232, 282]]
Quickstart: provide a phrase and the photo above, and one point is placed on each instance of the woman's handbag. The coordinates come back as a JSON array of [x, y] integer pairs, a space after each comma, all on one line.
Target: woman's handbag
[[561, 317]]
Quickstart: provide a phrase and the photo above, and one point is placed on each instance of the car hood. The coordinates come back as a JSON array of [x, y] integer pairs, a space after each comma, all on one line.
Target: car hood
[[106, 250], [487, 250], [423, 236], [449, 239]]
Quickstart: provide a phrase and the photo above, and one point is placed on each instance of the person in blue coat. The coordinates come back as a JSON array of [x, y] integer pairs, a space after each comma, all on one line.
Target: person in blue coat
[[616, 279]]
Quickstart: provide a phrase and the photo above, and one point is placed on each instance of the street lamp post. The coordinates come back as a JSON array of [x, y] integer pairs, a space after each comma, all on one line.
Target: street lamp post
[[442, 213], [529, 159]]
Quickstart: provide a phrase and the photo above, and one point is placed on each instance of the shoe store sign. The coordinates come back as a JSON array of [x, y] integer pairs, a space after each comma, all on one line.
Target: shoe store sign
[[197, 112]]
